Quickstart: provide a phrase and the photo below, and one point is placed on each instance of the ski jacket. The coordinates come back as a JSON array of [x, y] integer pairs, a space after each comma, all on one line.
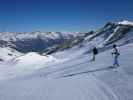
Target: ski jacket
[[95, 51], [115, 51]]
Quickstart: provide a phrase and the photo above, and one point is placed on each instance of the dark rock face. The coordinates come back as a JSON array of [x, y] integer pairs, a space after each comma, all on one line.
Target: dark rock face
[[33, 45], [3, 43], [112, 32], [120, 33]]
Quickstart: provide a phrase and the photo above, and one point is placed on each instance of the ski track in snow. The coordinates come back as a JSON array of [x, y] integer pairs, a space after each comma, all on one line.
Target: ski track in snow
[[74, 88], [88, 72]]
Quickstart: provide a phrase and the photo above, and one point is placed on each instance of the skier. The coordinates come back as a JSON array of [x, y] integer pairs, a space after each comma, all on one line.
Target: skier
[[115, 54], [95, 52]]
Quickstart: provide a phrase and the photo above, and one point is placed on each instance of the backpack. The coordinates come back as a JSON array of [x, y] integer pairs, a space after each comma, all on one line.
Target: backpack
[[95, 51]]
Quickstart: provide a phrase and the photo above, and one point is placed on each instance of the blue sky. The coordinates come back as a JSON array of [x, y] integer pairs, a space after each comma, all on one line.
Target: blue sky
[[61, 15]]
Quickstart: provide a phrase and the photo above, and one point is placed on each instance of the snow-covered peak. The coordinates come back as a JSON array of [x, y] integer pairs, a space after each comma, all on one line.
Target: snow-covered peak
[[125, 22]]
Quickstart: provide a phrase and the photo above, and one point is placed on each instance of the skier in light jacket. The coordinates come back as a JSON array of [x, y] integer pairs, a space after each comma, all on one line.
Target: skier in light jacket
[[115, 54]]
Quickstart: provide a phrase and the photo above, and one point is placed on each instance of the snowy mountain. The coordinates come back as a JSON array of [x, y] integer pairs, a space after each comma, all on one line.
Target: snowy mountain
[[38, 41], [112, 32], [67, 73], [6, 54], [51, 42]]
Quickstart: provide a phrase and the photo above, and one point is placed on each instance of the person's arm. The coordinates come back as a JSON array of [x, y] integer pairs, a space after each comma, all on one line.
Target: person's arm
[[118, 51]]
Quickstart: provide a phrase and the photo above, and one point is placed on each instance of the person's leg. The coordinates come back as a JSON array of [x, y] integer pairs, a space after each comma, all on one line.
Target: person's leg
[[114, 61], [117, 62], [93, 58]]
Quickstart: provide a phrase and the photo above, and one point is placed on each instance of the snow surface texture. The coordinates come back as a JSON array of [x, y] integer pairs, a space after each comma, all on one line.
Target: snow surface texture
[[25, 64], [31, 59], [74, 79], [7, 54]]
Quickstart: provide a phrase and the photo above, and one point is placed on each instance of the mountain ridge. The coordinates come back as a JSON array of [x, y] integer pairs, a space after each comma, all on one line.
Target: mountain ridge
[[51, 42]]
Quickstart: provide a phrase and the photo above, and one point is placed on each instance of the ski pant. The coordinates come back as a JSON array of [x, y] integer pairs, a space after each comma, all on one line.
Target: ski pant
[[94, 57], [115, 60]]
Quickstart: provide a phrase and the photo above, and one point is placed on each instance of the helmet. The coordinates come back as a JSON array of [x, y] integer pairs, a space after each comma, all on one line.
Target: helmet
[[114, 45]]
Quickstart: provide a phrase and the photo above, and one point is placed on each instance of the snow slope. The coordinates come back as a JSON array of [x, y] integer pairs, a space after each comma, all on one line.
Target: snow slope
[[6, 54], [33, 59], [76, 88], [75, 79], [70, 74], [25, 64]]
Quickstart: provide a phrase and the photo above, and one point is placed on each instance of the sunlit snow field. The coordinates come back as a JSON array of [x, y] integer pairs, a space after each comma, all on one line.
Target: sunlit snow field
[[68, 78]]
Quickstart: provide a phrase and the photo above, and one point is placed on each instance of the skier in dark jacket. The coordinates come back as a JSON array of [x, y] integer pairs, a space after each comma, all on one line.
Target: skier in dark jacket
[[95, 52]]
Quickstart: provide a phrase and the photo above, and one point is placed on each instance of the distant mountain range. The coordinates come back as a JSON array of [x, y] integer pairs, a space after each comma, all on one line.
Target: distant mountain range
[[38, 41], [53, 41]]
